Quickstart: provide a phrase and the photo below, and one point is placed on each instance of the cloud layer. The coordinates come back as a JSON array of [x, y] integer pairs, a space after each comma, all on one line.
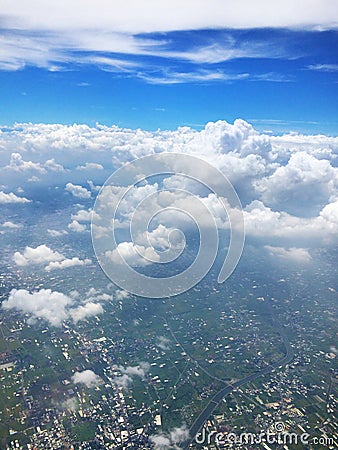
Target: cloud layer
[[288, 184]]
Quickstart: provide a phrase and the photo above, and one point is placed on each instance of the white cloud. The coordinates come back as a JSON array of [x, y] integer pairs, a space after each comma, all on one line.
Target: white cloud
[[45, 304], [299, 255], [12, 198], [56, 233], [39, 255], [131, 17], [120, 294], [169, 77], [324, 67], [43, 255], [86, 377], [54, 36], [84, 215], [161, 442], [65, 263], [52, 306], [90, 166], [287, 184], [77, 191], [77, 227], [304, 180], [127, 374], [163, 343], [11, 225], [170, 440], [52, 165], [268, 225], [18, 164], [87, 310], [134, 255]]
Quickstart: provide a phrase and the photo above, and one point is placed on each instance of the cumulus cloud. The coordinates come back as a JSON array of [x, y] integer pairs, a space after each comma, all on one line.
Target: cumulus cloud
[[299, 255], [268, 225], [120, 294], [56, 233], [304, 180], [45, 304], [52, 306], [65, 263], [39, 255], [134, 255], [87, 310], [84, 215], [18, 164], [43, 255], [53, 166], [11, 225], [90, 166], [12, 198], [77, 227], [127, 374], [163, 343], [170, 440], [287, 184], [86, 377], [77, 191]]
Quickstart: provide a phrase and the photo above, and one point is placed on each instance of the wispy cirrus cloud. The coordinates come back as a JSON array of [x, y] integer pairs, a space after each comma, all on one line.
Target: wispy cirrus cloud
[[324, 67], [200, 76], [128, 39]]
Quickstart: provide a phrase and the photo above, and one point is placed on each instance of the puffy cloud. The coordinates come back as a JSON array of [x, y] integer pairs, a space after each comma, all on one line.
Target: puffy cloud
[[299, 255], [268, 225], [127, 374], [65, 263], [77, 191], [52, 165], [134, 255], [86, 377], [39, 255], [87, 310], [12, 198], [45, 304], [43, 254], [77, 227], [120, 294], [11, 225], [56, 233], [163, 343], [161, 441], [84, 215], [139, 370], [90, 166], [18, 164], [170, 440], [304, 180], [288, 183], [52, 306]]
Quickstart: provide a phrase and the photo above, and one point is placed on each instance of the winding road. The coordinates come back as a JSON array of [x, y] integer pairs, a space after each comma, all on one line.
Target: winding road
[[218, 397]]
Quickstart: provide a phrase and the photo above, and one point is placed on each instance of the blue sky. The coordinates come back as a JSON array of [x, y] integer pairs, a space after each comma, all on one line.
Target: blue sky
[[277, 77]]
